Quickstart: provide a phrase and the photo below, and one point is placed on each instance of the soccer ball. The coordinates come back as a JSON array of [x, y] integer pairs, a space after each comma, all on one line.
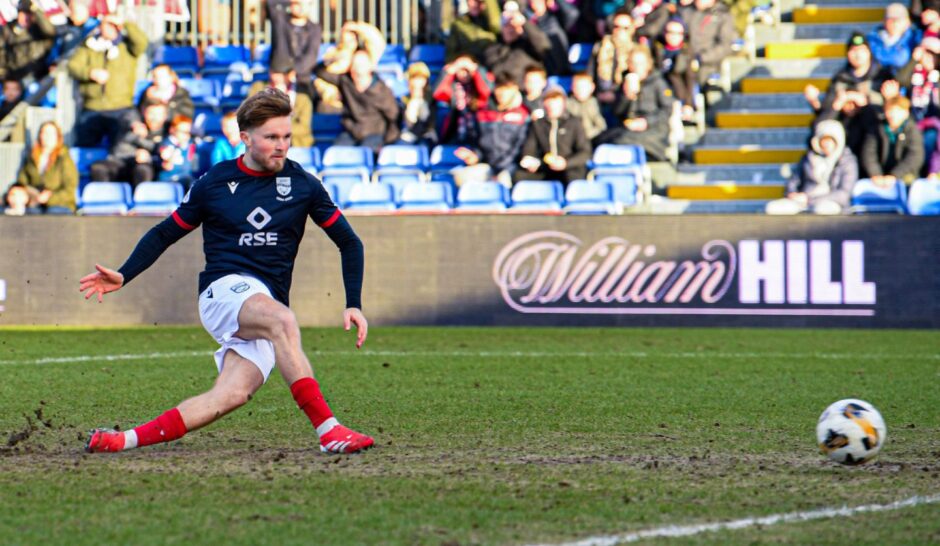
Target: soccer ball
[[851, 432]]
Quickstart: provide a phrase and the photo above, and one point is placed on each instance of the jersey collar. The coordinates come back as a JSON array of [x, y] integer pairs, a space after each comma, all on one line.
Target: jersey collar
[[249, 171]]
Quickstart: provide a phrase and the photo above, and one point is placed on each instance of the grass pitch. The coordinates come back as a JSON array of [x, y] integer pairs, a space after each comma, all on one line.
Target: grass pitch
[[485, 436]]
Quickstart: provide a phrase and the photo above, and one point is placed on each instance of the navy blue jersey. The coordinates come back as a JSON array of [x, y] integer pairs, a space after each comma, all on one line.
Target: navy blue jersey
[[252, 223]]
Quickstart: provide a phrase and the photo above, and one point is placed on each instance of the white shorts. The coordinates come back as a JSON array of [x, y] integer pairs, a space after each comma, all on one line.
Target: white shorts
[[219, 305]]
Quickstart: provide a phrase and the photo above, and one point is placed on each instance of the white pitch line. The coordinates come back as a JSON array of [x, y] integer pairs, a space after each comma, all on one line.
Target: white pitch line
[[673, 531], [490, 354]]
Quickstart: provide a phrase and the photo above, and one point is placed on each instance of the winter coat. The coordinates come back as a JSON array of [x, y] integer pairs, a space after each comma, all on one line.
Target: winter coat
[[609, 63], [502, 134], [478, 95], [27, 49], [653, 103], [568, 135], [711, 33], [589, 112], [181, 104], [61, 178], [556, 59], [846, 80], [895, 55], [472, 35], [118, 91], [841, 181], [676, 67], [532, 48], [373, 111], [293, 46], [907, 159]]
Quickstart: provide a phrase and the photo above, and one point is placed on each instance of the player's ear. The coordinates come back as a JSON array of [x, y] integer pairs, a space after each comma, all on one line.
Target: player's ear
[[244, 136]]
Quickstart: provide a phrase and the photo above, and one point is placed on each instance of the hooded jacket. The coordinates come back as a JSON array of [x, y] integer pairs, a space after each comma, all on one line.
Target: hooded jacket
[[831, 177]]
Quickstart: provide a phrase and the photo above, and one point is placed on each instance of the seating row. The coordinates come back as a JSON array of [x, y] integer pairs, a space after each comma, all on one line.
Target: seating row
[[923, 198]]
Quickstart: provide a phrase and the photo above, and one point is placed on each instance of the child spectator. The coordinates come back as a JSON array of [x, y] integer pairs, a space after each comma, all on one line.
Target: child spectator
[[48, 178], [178, 153], [584, 105], [534, 84], [166, 89], [420, 112], [555, 147], [231, 145], [824, 178], [674, 59]]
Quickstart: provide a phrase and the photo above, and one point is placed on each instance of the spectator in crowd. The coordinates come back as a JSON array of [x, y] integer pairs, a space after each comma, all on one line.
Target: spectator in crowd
[[583, 105], [853, 94], [28, 39], [650, 18], [165, 88], [370, 111], [643, 107], [474, 31], [79, 24], [929, 19], [609, 60], [105, 66], [133, 157], [534, 83], [555, 147], [674, 59], [295, 40], [825, 177], [550, 23], [893, 150], [301, 117], [48, 178], [465, 87], [231, 146], [12, 95], [919, 81], [521, 44], [503, 128], [419, 115], [711, 33], [921, 7], [354, 36], [178, 153], [893, 42]]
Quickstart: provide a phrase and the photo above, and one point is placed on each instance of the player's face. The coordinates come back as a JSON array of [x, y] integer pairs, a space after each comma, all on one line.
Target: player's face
[[267, 144]]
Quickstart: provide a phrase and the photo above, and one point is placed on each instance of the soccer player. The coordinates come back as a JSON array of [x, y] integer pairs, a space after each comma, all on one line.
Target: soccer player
[[253, 210]]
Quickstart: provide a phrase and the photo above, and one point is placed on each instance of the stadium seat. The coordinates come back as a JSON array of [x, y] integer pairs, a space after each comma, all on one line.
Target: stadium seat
[[326, 127], [140, 86], [427, 197], [537, 196], [924, 198], [867, 198], [403, 156], [372, 196], [235, 90], [221, 58], [337, 157], [482, 197], [208, 124], [182, 59], [106, 198], [324, 48], [156, 198], [443, 160], [261, 59], [202, 90], [579, 55], [83, 158], [309, 158], [562, 81], [398, 179], [618, 155], [343, 182], [595, 197], [624, 185], [432, 55], [204, 156]]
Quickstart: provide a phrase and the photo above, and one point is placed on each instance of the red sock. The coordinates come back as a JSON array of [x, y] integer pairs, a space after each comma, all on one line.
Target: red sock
[[166, 428], [306, 392]]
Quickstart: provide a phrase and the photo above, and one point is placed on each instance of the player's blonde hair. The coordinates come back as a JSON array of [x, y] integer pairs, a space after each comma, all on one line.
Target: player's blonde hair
[[259, 108]]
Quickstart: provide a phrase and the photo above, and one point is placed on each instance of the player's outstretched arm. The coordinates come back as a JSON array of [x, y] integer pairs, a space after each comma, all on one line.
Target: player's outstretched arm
[[352, 316], [101, 282]]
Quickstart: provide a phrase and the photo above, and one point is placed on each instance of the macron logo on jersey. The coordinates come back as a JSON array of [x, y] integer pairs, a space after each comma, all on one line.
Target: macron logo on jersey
[[258, 218], [232, 186]]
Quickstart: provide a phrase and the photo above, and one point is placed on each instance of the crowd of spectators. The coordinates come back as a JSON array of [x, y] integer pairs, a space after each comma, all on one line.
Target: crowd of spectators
[[496, 97]]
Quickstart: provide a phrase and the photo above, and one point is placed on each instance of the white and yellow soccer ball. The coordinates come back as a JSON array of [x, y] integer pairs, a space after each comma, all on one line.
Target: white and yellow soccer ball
[[851, 432]]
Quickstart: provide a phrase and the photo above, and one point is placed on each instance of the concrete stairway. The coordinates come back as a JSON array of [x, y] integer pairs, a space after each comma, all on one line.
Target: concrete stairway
[[762, 128]]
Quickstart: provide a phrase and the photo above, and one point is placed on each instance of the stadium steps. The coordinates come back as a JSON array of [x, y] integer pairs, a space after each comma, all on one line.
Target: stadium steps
[[840, 13], [788, 76], [665, 205]]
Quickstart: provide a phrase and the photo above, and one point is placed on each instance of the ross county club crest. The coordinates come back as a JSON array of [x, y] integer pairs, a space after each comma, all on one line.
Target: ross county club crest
[[283, 188]]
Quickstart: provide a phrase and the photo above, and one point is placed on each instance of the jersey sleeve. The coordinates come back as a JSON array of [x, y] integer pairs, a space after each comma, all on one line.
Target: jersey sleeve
[[323, 210], [190, 214]]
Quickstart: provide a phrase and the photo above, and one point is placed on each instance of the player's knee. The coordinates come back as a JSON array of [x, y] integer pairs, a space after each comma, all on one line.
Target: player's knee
[[235, 397], [284, 325]]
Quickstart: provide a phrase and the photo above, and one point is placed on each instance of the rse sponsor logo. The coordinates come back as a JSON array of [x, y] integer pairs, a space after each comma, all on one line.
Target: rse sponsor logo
[[258, 239]]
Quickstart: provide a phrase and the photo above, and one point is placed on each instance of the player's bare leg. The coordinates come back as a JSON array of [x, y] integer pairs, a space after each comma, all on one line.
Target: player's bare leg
[[234, 387], [262, 317]]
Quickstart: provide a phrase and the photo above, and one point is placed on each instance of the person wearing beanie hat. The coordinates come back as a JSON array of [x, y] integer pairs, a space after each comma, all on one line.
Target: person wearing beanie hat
[[824, 178]]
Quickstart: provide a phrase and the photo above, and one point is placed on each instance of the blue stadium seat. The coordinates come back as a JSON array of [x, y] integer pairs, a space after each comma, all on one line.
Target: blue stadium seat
[[562, 81], [182, 59], [579, 55], [139, 87], [309, 158], [326, 127], [83, 158], [432, 55], [618, 155], [405, 156], [222, 57], [324, 48], [624, 185], [332, 191], [443, 160], [868, 198], [208, 124], [427, 197], [343, 182], [924, 198], [584, 197], [202, 90], [106, 198], [482, 197], [373, 196], [398, 179], [235, 90], [394, 53], [156, 198], [391, 65], [537, 196], [348, 156], [262, 57]]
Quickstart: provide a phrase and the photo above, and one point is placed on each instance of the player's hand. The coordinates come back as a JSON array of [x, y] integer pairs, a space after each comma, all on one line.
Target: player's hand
[[354, 316], [102, 281]]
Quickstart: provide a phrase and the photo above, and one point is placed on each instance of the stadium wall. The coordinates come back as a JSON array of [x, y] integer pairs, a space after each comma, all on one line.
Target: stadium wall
[[864, 271]]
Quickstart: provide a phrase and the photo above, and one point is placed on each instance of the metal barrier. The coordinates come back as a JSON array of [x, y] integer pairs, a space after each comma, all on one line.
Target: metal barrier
[[11, 155]]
